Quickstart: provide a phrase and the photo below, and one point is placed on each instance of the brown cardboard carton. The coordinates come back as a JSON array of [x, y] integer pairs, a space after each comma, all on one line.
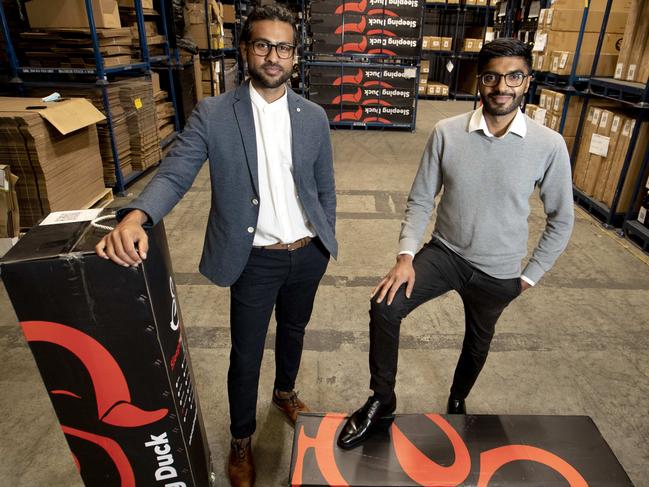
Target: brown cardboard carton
[[599, 147], [229, 14], [596, 5], [562, 62], [570, 20], [570, 143], [548, 41], [146, 4], [634, 167], [581, 164], [54, 150], [71, 14], [9, 216], [638, 46], [436, 43], [425, 66], [616, 129], [627, 42], [446, 43]]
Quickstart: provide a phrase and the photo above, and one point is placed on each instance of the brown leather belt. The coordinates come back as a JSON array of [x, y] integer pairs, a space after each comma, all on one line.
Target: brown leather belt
[[298, 244]]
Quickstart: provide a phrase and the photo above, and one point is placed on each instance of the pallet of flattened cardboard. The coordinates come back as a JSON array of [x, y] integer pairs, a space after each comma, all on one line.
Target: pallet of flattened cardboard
[[164, 109], [118, 115], [54, 151], [136, 96], [72, 48]]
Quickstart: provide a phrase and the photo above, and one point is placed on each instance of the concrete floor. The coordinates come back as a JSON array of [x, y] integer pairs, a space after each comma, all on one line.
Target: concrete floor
[[575, 345]]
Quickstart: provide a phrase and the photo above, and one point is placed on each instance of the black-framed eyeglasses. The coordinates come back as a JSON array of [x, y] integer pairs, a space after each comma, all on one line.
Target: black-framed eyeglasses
[[513, 80], [261, 48]]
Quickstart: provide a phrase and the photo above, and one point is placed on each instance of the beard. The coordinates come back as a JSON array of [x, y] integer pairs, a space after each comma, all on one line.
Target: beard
[[266, 81], [490, 106]]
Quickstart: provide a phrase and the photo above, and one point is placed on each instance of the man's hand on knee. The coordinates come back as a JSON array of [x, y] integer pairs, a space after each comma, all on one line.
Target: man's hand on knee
[[402, 272]]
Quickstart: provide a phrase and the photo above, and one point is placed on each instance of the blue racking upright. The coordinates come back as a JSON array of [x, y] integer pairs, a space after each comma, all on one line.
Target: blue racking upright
[[453, 21], [101, 74]]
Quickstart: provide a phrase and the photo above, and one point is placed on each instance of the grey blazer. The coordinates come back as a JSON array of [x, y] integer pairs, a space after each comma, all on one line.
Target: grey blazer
[[222, 130]]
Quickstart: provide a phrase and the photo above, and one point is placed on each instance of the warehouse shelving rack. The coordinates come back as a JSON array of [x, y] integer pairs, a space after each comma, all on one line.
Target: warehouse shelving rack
[[458, 14], [101, 75], [308, 59], [635, 98]]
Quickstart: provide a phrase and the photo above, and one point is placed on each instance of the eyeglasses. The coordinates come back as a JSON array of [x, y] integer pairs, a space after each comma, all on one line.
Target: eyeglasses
[[263, 48], [513, 80]]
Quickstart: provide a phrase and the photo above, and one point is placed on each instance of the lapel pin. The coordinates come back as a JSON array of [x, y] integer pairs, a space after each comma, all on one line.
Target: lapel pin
[[298, 109]]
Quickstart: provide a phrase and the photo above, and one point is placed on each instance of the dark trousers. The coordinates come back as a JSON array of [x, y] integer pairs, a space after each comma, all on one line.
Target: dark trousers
[[288, 282], [437, 271]]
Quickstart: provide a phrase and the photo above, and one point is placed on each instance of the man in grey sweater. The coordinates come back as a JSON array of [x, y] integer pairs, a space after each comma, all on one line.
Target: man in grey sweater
[[488, 163]]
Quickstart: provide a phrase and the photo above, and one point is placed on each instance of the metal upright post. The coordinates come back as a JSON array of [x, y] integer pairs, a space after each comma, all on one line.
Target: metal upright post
[[172, 90], [144, 48], [102, 82]]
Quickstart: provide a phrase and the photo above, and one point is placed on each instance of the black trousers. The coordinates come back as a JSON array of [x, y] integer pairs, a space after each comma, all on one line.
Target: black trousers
[[437, 271], [286, 281]]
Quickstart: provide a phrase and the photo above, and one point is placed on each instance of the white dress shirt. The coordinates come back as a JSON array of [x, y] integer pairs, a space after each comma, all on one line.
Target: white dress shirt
[[478, 122], [281, 217]]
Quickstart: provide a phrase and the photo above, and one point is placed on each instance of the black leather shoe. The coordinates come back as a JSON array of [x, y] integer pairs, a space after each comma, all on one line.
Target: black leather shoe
[[456, 406], [373, 416]]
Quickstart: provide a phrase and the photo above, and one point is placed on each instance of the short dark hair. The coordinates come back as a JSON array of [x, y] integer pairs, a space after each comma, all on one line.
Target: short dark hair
[[271, 11], [504, 47]]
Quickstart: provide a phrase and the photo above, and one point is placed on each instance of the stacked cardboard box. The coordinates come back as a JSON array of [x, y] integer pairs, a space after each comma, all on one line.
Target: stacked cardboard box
[[552, 103], [472, 45], [72, 48], [209, 78], [435, 88], [558, 33], [382, 27], [136, 96], [381, 95], [633, 62], [155, 41], [164, 109], [605, 141], [54, 151], [118, 116], [424, 71], [9, 216], [197, 20], [434, 43], [71, 14]]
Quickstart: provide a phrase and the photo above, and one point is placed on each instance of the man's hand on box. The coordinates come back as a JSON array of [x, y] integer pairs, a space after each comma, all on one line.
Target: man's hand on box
[[119, 245]]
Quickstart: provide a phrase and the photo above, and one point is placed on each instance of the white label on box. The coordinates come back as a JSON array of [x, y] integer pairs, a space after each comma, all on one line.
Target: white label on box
[[642, 215], [628, 127], [618, 70], [554, 123], [542, 100], [596, 115], [410, 72], [599, 145], [564, 60], [4, 183], [217, 67], [450, 66], [59, 217], [555, 63], [541, 20], [604, 120], [548, 16], [540, 41], [557, 103], [616, 123], [539, 116], [631, 73]]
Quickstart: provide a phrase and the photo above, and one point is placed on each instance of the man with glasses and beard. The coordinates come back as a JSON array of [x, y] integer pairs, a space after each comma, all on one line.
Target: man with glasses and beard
[[271, 226], [488, 163]]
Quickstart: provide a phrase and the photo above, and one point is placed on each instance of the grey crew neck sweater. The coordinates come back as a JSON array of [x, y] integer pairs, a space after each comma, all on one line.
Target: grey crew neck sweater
[[487, 182]]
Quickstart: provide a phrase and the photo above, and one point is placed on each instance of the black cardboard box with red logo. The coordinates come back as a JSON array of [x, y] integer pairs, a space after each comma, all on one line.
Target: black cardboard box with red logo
[[352, 23], [365, 44], [388, 77], [457, 450], [393, 8], [361, 95], [363, 114], [110, 345]]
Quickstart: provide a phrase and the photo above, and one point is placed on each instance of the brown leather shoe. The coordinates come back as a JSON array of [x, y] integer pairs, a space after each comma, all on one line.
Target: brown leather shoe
[[241, 467], [289, 405]]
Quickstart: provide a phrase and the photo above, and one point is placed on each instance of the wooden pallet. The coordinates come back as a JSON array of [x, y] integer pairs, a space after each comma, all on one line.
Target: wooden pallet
[[100, 201]]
